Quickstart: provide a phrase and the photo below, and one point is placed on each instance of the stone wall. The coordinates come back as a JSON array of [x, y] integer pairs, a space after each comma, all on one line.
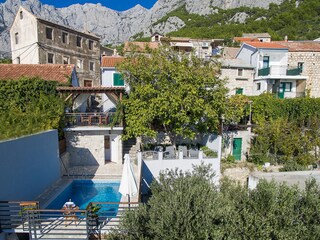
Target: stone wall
[[311, 66], [228, 142], [70, 50], [87, 147], [234, 81]]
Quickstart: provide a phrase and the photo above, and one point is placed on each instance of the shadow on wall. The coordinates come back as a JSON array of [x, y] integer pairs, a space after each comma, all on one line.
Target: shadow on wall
[[146, 179], [80, 156]]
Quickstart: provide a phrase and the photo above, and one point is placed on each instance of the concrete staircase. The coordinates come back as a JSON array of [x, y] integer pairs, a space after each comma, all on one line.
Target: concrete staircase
[[130, 147]]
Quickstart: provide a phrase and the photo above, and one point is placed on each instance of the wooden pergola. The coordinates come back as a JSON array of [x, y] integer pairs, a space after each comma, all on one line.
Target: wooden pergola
[[115, 93]]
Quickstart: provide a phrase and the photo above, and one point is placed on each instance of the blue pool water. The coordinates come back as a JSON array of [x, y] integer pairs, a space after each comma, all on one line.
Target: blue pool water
[[82, 192]]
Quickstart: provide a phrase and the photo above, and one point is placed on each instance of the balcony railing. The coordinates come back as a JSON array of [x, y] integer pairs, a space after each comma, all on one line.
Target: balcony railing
[[294, 72], [264, 71], [90, 119]]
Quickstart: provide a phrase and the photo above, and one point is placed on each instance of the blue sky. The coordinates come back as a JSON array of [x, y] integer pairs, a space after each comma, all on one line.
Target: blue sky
[[119, 5]]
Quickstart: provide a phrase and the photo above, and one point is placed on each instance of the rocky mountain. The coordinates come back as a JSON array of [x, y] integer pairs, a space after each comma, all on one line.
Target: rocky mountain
[[113, 26]]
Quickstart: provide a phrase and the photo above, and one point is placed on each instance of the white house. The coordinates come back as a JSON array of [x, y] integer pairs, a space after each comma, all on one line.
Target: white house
[[270, 61], [110, 78], [91, 138]]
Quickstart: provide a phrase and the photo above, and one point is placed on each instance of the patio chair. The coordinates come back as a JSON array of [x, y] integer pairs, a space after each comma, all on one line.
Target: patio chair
[[158, 148], [70, 214], [85, 119], [169, 153], [193, 153], [184, 150]]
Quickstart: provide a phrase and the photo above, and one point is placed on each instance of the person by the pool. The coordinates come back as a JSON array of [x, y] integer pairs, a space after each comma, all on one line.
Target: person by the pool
[[69, 204], [69, 213]]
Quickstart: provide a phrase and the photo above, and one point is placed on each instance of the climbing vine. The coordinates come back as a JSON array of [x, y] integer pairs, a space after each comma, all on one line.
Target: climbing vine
[[28, 106]]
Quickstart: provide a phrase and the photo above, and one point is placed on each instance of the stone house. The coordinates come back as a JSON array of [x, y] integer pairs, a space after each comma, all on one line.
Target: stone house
[[239, 76], [306, 56], [38, 41]]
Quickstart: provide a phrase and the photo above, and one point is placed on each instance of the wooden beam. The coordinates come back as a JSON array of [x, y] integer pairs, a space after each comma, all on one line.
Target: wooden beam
[[70, 95]]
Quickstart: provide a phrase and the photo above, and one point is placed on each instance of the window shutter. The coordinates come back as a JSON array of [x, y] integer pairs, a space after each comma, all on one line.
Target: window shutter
[[117, 80]]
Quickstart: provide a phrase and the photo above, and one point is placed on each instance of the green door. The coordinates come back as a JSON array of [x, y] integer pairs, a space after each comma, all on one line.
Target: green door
[[281, 90], [237, 146]]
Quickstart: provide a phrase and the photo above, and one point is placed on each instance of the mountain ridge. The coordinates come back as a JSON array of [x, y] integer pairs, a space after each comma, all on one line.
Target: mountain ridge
[[113, 26]]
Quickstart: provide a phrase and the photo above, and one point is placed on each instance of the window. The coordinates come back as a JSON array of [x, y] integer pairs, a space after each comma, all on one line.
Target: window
[[91, 66], [18, 60], [287, 86], [239, 91], [21, 15], [87, 83], [90, 44], [65, 37], [65, 60], [49, 33], [79, 41], [240, 72], [265, 61], [16, 38], [117, 80], [80, 63], [50, 58], [258, 86]]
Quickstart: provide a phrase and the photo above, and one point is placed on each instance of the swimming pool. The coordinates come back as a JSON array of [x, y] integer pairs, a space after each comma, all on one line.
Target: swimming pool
[[82, 192]]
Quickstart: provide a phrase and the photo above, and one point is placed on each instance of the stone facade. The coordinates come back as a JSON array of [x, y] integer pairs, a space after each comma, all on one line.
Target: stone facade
[[228, 138], [311, 65], [235, 82], [55, 44], [93, 147]]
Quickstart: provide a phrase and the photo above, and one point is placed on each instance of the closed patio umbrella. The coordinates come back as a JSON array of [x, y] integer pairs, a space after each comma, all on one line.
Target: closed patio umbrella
[[128, 185]]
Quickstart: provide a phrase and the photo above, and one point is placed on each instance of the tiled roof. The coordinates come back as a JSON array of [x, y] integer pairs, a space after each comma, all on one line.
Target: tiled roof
[[270, 45], [90, 89], [245, 39], [141, 46], [307, 46], [53, 72], [230, 52], [111, 61], [175, 39], [256, 35], [236, 63]]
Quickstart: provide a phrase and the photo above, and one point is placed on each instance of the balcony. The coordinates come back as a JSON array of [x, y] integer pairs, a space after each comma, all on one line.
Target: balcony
[[294, 72], [264, 71], [90, 119]]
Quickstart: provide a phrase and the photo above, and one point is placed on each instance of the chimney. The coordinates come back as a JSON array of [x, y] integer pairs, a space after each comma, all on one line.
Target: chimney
[[286, 38]]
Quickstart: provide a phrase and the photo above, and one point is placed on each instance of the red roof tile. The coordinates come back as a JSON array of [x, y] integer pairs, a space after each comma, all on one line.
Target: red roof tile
[[266, 45], [141, 46], [308, 46], [246, 39], [52, 72], [111, 61]]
